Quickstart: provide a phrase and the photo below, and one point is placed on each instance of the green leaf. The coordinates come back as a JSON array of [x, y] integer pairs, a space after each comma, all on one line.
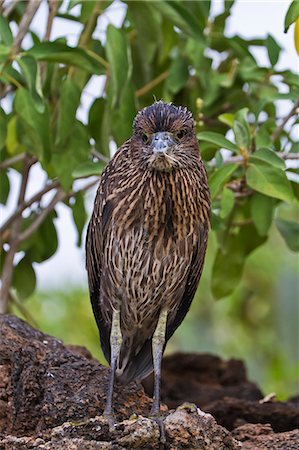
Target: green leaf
[[4, 186], [119, 59], [291, 15], [229, 262], [290, 233], [262, 208], [79, 215], [227, 118], [32, 75], [220, 177], [88, 168], [62, 53], [273, 49], [69, 101], [4, 52], [269, 156], [218, 139], [241, 129], [95, 119], [227, 202], [148, 23], [24, 279], [3, 128], [122, 117], [178, 14], [5, 32], [63, 163], [178, 75], [269, 180], [227, 269], [38, 123], [44, 242]]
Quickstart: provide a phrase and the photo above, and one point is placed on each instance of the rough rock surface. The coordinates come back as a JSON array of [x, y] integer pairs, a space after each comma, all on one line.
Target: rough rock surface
[[209, 378], [52, 397], [222, 389]]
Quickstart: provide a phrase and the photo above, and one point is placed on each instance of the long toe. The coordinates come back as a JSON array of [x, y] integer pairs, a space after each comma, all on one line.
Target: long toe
[[112, 422]]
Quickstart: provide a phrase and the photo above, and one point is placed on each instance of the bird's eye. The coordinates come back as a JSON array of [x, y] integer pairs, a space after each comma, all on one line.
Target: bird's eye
[[181, 133], [145, 138]]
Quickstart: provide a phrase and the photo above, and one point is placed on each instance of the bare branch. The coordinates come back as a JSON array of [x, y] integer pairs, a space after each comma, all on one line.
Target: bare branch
[[240, 158], [285, 120], [32, 7], [99, 156], [10, 8], [11, 161], [23, 206], [58, 197], [13, 242], [153, 83], [23, 310], [52, 11]]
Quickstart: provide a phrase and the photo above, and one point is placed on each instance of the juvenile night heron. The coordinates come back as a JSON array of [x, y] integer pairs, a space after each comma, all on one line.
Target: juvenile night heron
[[146, 243]]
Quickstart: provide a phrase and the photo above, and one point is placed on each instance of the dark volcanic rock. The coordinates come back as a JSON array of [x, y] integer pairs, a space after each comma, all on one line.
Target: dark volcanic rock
[[52, 397], [229, 412], [261, 437], [208, 378], [44, 384]]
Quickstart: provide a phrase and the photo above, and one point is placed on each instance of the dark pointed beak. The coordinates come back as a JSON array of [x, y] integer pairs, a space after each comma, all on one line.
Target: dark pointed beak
[[162, 141]]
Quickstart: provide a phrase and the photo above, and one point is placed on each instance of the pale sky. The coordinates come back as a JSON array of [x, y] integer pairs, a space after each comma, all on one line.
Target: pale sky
[[249, 19]]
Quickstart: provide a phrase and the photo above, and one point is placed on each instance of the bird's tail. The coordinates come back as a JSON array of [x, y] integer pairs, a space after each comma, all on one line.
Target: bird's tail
[[135, 365]]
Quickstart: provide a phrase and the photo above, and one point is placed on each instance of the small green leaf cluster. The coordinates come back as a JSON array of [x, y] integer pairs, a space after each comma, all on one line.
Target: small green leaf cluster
[[167, 49]]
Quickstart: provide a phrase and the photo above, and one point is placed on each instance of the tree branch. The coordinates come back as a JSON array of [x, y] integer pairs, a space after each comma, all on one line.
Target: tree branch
[[11, 161], [99, 156], [279, 129], [13, 242], [23, 206], [32, 7], [149, 86], [58, 197], [240, 158], [10, 8]]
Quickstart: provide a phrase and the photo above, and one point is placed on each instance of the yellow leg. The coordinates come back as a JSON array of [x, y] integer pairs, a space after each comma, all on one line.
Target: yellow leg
[[158, 342], [115, 343]]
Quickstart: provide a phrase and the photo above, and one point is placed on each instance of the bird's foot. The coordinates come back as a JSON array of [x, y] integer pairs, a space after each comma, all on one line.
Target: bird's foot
[[190, 407], [112, 422], [156, 417]]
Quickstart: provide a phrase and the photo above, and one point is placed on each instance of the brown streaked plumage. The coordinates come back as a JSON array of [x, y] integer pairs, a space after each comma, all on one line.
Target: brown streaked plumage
[[146, 242]]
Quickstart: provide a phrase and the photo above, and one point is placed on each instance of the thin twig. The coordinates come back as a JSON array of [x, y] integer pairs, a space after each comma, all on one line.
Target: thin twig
[[99, 156], [10, 8], [23, 206], [13, 242], [240, 158], [23, 310], [149, 86], [279, 129], [52, 5], [32, 7], [58, 197], [87, 34], [52, 11], [11, 161]]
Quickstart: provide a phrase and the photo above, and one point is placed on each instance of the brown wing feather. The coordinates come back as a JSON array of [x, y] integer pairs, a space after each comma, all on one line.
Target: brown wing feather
[[194, 275], [97, 229]]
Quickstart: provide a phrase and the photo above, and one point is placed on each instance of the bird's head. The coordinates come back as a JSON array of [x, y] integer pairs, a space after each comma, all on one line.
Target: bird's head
[[164, 137]]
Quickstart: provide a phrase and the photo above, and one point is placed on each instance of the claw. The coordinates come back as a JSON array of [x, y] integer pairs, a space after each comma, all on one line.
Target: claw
[[111, 421], [159, 421]]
